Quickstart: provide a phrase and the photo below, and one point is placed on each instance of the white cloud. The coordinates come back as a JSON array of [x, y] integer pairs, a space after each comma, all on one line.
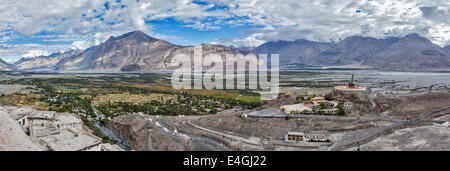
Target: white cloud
[[251, 41], [15, 52], [324, 20], [87, 22], [80, 45], [34, 53]]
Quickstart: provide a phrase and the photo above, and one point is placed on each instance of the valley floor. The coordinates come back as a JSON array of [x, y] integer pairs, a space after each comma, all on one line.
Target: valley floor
[[142, 113]]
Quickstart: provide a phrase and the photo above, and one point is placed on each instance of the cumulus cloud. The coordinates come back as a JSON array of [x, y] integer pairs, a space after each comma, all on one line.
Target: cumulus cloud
[[324, 20], [252, 41], [12, 53], [33, 53], [90, 22], [80, 45]]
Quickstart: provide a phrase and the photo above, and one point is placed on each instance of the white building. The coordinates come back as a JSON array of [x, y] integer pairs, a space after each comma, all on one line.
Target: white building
[[68, 140], [19, 114], [330, 111], [46, 122], [348, 105], [295, 137], [57, 131], [316, 136]]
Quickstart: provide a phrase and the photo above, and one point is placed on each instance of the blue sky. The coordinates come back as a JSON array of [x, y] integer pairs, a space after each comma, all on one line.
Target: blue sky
[[186, 35], [61, 25]]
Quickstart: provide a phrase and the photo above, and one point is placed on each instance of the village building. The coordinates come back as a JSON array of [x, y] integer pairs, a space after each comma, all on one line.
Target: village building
[[330, 111], [106, 147], [19, 114], [43, 123], [318, 100], [68, 140], [57, 131], [295, 137], [348, 105], [317, 136]]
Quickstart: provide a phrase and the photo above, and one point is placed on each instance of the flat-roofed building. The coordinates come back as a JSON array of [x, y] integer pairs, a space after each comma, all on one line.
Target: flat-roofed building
[[106, 147], [44, 123], [317, 136], [348, 105], [294, 137], [68, 140], [20, 114]]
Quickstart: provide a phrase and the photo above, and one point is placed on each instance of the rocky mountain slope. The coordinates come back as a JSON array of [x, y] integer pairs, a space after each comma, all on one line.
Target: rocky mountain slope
[[299, 51], [4, 66], [352, 50], [447, 49], [134, 51], [144, 134], [411, 52], [44, 62]]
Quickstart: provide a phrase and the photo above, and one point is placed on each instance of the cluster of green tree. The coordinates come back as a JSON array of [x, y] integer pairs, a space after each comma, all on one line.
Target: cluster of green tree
[[68, 102], [184, 104], [341, 111]]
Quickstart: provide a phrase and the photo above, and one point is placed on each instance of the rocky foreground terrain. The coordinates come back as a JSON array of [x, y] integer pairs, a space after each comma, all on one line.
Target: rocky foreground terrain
[[413, 106], [427, 138], [148, 133], [424, 130], [12, 138]]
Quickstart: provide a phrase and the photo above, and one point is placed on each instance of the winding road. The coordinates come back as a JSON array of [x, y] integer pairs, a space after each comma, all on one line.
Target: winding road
[[206, 141]]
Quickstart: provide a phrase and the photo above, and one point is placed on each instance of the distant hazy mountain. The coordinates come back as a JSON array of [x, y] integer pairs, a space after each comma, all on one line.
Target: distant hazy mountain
[[447, 49], [136, 51], [4, 66], [411, 52], [300, 51], [44, 62], [242, 48], [353, 50], [133, 51]]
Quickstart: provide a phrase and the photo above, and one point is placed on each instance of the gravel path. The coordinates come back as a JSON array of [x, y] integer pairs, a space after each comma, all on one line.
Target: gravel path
[[277, 113]]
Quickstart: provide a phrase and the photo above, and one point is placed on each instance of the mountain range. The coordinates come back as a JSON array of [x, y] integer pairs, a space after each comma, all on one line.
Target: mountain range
[[4, 66], [45, 62], [136, 51], [411, 52], [300, 51], [447, 49]]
